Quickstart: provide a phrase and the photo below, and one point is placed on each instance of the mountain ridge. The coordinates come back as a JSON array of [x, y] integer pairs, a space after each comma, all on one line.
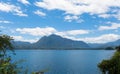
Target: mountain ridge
[[56, 41], [53, 41]]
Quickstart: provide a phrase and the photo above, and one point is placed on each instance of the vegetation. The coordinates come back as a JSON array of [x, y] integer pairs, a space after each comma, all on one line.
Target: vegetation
[[6, 64], [111, 66], [109, 48], [6, 67]]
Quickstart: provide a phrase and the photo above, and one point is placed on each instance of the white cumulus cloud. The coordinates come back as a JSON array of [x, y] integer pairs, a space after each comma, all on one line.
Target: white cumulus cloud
[[77, 32], [16, 10], [70, 34], [102, 39], [99, 39], [79, 7], [26, 2], [38, 12], [73, 32], [5, 21], [20, 38], [70, 18], [105, 15], [50, 30], [37, 31], [1, 27], [114, 26]]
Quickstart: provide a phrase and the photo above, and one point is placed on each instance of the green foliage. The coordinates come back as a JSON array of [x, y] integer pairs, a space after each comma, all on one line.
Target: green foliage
[[111, 66], [6, 67], [5, 43], [41, 71], [109, 48]]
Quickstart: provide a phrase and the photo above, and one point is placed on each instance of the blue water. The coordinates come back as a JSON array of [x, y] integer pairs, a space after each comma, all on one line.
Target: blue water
[[62, 61]]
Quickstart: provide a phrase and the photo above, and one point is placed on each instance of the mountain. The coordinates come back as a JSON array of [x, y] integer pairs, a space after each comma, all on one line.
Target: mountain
[[21, 45], [55, 41], [52, 41], [105, 45], [95, 45], [112, 44]]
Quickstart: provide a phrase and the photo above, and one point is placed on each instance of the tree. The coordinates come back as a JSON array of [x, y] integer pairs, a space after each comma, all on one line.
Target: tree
[[5, 43], [118, 48], [6, 67], [112, 65]]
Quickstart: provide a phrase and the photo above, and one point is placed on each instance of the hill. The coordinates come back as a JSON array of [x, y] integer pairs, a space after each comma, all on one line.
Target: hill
[[52, 41]]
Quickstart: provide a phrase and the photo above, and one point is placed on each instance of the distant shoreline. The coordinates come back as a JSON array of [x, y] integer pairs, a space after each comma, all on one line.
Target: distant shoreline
[[62, 49]]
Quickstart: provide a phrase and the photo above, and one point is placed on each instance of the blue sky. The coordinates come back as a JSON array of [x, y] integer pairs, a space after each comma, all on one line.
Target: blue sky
[[92, 21]]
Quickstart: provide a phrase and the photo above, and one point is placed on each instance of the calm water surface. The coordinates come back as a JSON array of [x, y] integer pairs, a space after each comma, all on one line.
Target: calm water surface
[[62, 61]]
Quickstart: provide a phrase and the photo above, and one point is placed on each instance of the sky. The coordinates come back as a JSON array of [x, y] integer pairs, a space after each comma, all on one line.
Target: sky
[[91, 21]]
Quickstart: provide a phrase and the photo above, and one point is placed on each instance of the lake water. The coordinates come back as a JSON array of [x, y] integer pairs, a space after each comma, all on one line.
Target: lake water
[[62, 61]]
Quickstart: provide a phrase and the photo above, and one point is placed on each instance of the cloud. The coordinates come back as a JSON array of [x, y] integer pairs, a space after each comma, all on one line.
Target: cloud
[[6, 7], [1, 27], [39, 13], [102, 39], [70, 18], [24, 2], [99, 39], [114, 26], [20, 38], [5, 21], [116, 15], [37, 31], [17, 37], [105, 15], [79, 7], [77, 32], [72, 32], [50, 30]]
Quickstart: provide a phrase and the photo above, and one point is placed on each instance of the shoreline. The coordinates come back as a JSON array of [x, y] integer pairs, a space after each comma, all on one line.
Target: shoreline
[[62, 49]]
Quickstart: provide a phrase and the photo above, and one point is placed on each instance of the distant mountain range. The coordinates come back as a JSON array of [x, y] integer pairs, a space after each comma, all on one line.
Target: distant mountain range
[[105, 45], [57, 42], [53, 41]]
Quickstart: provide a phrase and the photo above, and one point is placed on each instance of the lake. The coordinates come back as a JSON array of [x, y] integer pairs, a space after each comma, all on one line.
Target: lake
[[62, 61]]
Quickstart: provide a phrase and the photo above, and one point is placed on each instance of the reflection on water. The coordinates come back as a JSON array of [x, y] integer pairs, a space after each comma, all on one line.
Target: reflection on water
[[63, 61]]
